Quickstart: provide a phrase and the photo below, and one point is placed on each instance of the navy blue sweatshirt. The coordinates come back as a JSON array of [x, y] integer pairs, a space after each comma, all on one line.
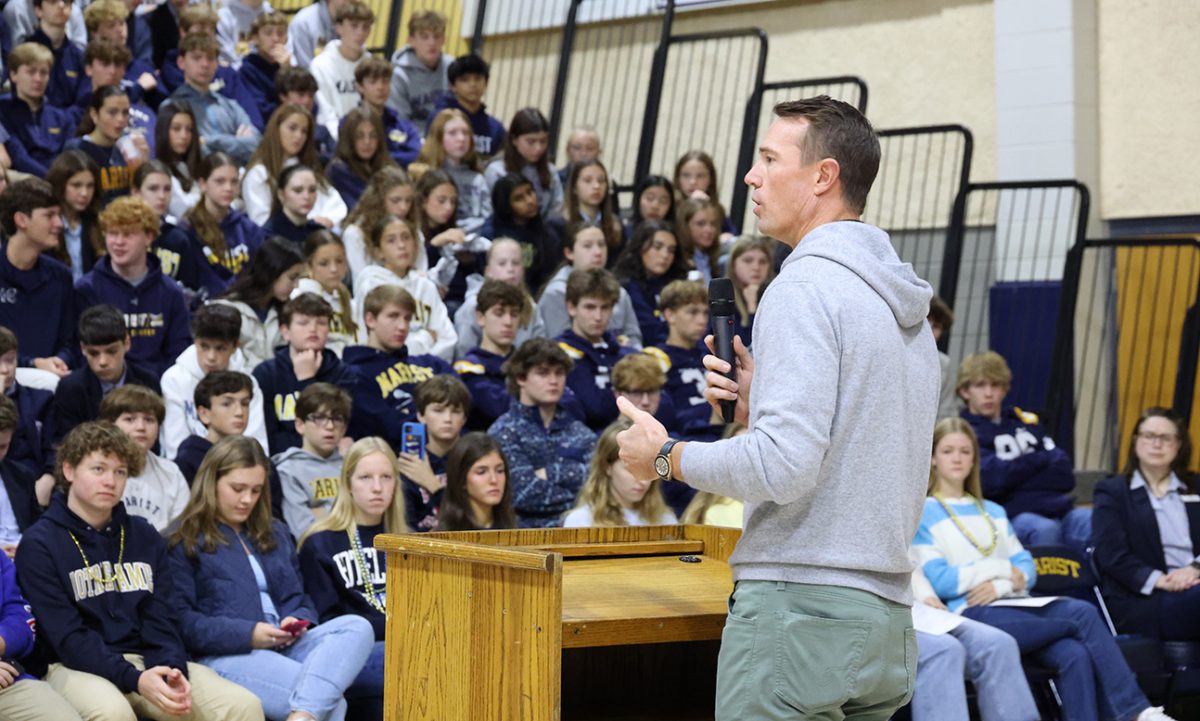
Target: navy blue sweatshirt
[[420, 506], [541, 249], [32, 441], [226, 82], [200, 269], [349, 184], [156, 312], [591, 377], [1021, 467], [88, 624], [489, 131], [481, 371], [645, 297], [403, 138], [281, 389], [35, 137], [281, 225], [115, 174], [30, 298], [685, 387], [190, 455], [333, 575], [257, 76], [383, 399], [66, 74]]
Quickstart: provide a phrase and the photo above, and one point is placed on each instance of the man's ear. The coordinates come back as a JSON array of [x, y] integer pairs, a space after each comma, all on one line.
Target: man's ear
[[829, 175]]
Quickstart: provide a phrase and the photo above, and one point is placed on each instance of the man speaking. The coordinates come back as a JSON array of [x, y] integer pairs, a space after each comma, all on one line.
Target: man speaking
[[840, 399]]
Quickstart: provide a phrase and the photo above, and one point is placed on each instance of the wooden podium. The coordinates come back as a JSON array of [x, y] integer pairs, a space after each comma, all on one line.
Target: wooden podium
[[549, 624]]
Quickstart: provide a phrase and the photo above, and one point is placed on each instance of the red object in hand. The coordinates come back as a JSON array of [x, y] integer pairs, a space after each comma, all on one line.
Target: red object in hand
[[295, 627]]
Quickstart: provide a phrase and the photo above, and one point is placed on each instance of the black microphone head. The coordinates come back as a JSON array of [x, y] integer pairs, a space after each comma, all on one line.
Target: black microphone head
[[720, 297]]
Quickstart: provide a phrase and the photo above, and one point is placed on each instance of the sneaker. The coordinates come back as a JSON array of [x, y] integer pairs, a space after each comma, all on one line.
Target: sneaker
[[1154, 713]]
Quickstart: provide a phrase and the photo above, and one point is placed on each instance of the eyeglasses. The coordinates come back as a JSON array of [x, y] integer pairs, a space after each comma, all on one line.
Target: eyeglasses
[[1154, 438], [641, 395], [321, 419]]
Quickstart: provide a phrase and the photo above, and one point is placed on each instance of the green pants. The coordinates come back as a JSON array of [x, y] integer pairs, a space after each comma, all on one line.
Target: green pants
[[800, 651]]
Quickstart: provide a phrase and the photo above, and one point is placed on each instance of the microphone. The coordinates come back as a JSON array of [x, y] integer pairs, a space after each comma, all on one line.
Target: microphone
[[721, 310]]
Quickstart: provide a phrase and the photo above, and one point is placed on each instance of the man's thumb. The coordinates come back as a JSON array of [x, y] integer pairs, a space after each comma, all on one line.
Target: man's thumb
[[630, 411]]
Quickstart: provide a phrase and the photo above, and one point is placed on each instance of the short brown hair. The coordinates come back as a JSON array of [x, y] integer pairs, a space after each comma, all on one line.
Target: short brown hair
[[29, 54], [24, 196], [445, 389], [130, 211], [354, 10], [131, 398], [372, 68], [206, 44], [8, 341], [309, 304], [323, 396], [104, 11], [592, 283], [496, 292], [679, 293], [8, 414], [219, 383], [531, 354], [837, 130], [986, 366], [638, 372], [427, 20], [294, 80], [266, 20], [385, 295], [106, 51], [941, 314], [198, 14], [97, 437]]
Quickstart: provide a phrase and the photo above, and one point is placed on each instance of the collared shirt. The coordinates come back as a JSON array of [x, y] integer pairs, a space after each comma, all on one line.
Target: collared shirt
[[10, 531], [73, 239], [1173, 527], [106, 388]]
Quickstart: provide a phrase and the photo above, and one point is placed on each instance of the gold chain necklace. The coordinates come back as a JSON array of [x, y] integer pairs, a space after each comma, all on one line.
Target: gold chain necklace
[[94, 574], [356, 546], [985, 550]]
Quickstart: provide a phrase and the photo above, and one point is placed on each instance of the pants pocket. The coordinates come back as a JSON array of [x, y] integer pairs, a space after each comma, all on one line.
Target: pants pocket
[[736, 667], [817, 660]]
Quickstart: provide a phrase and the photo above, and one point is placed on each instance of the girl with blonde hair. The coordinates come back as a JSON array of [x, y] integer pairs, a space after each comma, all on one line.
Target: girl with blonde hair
[[611, 496]]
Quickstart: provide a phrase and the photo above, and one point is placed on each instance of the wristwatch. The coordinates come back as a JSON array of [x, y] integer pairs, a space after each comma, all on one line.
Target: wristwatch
[[662, 462]]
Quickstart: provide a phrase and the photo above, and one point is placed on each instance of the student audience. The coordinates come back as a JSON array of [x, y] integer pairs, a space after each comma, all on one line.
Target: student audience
[[308, 474], [612, 496], [504, 264], [593, 348], [648, 263], [421, 68]]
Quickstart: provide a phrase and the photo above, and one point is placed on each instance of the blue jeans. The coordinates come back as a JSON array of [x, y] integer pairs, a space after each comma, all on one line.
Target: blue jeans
[[986, 655], [1067, 635], [310, 675], [365, 695], [1074, 530]]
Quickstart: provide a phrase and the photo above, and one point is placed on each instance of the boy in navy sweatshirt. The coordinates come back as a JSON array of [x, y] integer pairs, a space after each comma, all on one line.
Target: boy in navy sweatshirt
[[389, 375], [18, 504], [222, 401], [373, 78], [591, 295], [104, 340], [268, 54], [32, 440], [1021, 467], [309, 474], [36, 300], [684, 305], [130, 278], [67, 72], [301, 361], [97, 580], [442, 405], [38, 129], [468, 77], [21, 695], [499, 311]]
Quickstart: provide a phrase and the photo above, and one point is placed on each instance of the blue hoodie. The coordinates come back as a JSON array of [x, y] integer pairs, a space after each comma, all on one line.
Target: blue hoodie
[[200, 269], [257, 76], [156, 312], [591, 377], [1021, 467], [403, 138], [190, 455], [226, 82], [645, 296], [35, 137], [86, 624], [115, 174], [66, 73], [333, 575], [685, 387], [16, 621], [384, 397], [281, 389], [28, 298], [481, 371], [489, 131]]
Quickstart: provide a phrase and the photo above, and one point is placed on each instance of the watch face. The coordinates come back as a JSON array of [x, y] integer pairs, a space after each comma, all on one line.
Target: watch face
[[662, 466]]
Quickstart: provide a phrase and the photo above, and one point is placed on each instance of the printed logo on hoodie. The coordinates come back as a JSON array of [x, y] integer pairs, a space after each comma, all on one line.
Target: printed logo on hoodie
[[399, 374], [324, 489], [233, 259], [128, 577], [144, 325], [352, 577], [285, 406]]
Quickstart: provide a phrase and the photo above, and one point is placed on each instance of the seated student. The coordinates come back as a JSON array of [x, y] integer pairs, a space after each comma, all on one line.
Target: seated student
[[421, 68], [222, 399], [130, 279], [388, 369], [685, 307], [235, 28], [294, 200], [36, 286], [31, 446], [646, 266], [585, 248], [698, 227], [525, 153], [389, 193], [75, 179], [104, 125], [583, 144], [325, 271], [67, 72], [640, 378], [310, 30], [442, 406], [450, 253], [258, 296], [594, 349], [297, 86], [588, 200], [368, 503], [515, 215], [448, 148], [468, 78], [239, 599], [750, 269], [104, 340], [116, 650], [1146, 531], [401, 138], [1023, 470], [499, 307], [18, 502], [177, 145], [653, 199], [696, 179], [216, 328], [972, 557], [105, 64], [152, 183], [258, 70], [548, 449], [503, 265], [22, 696], [478, 494], [334, 67], [221, 122], [361, 153], [393, 244], [308, 474], [19, 21], [611, 496], [160, 491], [37, 128], [288, 141], [304, 360], [941, 318], [110, 22]]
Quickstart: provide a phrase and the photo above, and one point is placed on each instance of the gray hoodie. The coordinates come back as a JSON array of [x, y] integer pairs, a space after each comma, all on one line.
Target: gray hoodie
[[309, 481], [416, 88], [842, 406]]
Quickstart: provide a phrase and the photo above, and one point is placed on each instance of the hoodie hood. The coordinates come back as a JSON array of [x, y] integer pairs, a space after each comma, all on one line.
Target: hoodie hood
[[867, 252], [190, 363], [406, 58], [61, 514]]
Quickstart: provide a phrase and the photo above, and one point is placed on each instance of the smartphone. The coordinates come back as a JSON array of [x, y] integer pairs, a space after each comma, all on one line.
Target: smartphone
[[414, 439], [296, 626]]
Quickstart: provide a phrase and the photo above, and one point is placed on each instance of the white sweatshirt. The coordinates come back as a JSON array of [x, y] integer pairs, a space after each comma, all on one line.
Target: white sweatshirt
[[178, 389], [259, 338], [432, 320], [258, 191], [336, 91], [159, 494]]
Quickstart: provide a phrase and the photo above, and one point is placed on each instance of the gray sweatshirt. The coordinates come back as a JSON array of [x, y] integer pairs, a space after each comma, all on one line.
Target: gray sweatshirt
[[842, 406], [309, 481], [416, 88], [552, 306]]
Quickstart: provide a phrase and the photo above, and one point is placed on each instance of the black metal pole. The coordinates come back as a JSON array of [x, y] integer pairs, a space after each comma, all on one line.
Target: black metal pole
[[477, 36], [737, 207], [560, 82], [654, 94]]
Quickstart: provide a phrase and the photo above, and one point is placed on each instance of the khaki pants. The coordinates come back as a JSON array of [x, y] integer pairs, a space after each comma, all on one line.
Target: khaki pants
[[821, 653], [97, 699], [34, 701]]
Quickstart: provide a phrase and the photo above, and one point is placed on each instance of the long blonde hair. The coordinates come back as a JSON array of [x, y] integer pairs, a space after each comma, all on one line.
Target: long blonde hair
[[597, 493], [972, 484], [341, 516], [199, 525]]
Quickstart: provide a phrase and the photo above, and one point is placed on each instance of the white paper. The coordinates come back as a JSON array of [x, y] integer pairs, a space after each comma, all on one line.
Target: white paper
[[934, 621], [1026, 602]]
